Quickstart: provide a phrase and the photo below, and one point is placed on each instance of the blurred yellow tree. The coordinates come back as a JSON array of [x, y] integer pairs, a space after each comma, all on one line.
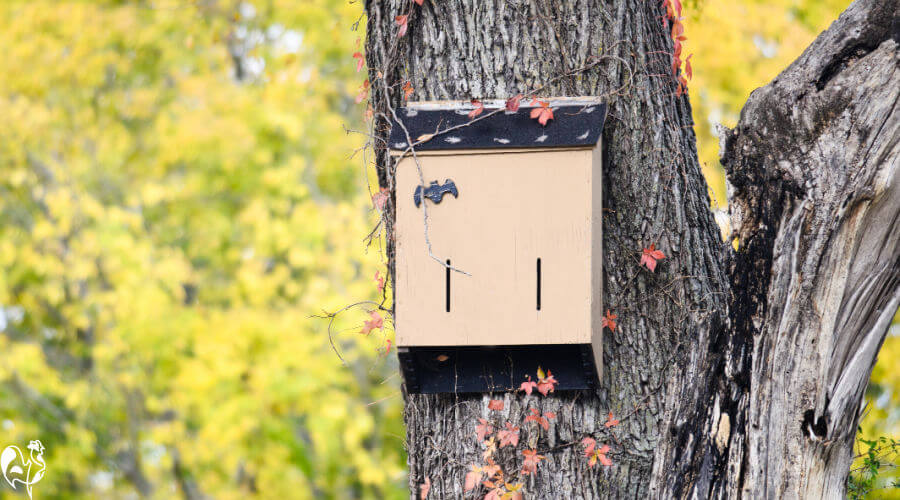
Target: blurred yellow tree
[[177, 199]]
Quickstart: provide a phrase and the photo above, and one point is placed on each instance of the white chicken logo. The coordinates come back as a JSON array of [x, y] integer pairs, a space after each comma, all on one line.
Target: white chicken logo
[[17, 470]]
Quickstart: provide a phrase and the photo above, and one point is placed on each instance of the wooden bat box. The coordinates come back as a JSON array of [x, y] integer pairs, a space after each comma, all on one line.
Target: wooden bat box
[[516, 208]]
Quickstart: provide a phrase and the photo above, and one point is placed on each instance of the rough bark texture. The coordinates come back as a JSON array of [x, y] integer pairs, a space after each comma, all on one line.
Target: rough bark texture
[[733, 373], [813, 165]]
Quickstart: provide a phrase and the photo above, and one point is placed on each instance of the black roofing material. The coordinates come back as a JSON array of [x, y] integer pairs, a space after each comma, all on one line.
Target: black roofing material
[[468, 369], [572, 125]]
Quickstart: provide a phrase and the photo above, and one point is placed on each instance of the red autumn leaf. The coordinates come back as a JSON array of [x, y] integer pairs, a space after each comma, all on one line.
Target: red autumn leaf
[[549, 414], [600, 455], [687, 67], [402, 22], [611, 421], [682, 86], [492, 469], [387, 346], [545, 383], [372, 324], [509, 436], [650, 256], [494, 494], [420, 2], [380, 280], [542, 113], [536, 417], [498, 491], [424, 488], [589, 444], [483, 429], [379, 198], [495, 404], [528, 386], [529, 466], [677, 4], [360, 60], [363, 91], [670, 10], [609, 321], [472, 478], [479, 108], [678, 30], [512, 104], [407, 90]]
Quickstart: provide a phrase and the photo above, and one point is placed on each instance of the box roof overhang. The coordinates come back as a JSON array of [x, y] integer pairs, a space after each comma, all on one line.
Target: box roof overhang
[[577, 123]]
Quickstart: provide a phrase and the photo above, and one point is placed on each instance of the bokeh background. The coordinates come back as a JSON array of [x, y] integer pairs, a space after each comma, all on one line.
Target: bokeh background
[[181, 192]]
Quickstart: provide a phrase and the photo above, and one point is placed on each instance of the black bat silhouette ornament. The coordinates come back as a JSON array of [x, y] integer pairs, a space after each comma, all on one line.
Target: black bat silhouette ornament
[[435, 192]]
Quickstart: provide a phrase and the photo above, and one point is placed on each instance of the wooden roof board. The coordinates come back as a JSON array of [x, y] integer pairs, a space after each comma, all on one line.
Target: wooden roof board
[[572, 126]]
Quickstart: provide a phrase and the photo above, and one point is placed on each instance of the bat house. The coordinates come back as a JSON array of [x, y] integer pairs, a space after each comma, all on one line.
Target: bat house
[[506, 274]]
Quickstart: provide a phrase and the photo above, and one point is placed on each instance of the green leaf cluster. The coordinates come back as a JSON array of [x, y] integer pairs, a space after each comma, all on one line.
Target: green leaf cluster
[[878, 456]]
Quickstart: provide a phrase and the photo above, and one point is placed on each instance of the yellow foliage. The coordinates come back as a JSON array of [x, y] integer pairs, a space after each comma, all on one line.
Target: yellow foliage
[[738, 47], [168, 230]]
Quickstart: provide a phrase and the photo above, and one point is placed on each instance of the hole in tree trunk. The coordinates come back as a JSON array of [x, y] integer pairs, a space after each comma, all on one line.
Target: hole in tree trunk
[[811, 426]]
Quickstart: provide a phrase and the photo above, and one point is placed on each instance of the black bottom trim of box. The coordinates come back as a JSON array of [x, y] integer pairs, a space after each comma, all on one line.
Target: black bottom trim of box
[[455, 369]]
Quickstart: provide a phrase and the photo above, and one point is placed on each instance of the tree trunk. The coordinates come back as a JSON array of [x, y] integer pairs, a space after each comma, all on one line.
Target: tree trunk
[[734, 373], [813, 165]]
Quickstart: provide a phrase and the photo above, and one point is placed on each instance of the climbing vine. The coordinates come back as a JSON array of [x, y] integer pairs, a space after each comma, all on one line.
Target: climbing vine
[[504, 465]]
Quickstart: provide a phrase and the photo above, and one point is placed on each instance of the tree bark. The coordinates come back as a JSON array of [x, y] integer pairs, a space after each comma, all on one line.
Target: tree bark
[[734, 373], [813, 166]]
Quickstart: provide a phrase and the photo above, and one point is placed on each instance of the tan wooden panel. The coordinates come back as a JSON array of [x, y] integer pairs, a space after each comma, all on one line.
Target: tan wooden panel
[[597, 310], [513, 208]]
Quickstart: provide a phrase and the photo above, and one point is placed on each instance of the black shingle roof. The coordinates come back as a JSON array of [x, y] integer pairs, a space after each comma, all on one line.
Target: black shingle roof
[[573, 125]]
